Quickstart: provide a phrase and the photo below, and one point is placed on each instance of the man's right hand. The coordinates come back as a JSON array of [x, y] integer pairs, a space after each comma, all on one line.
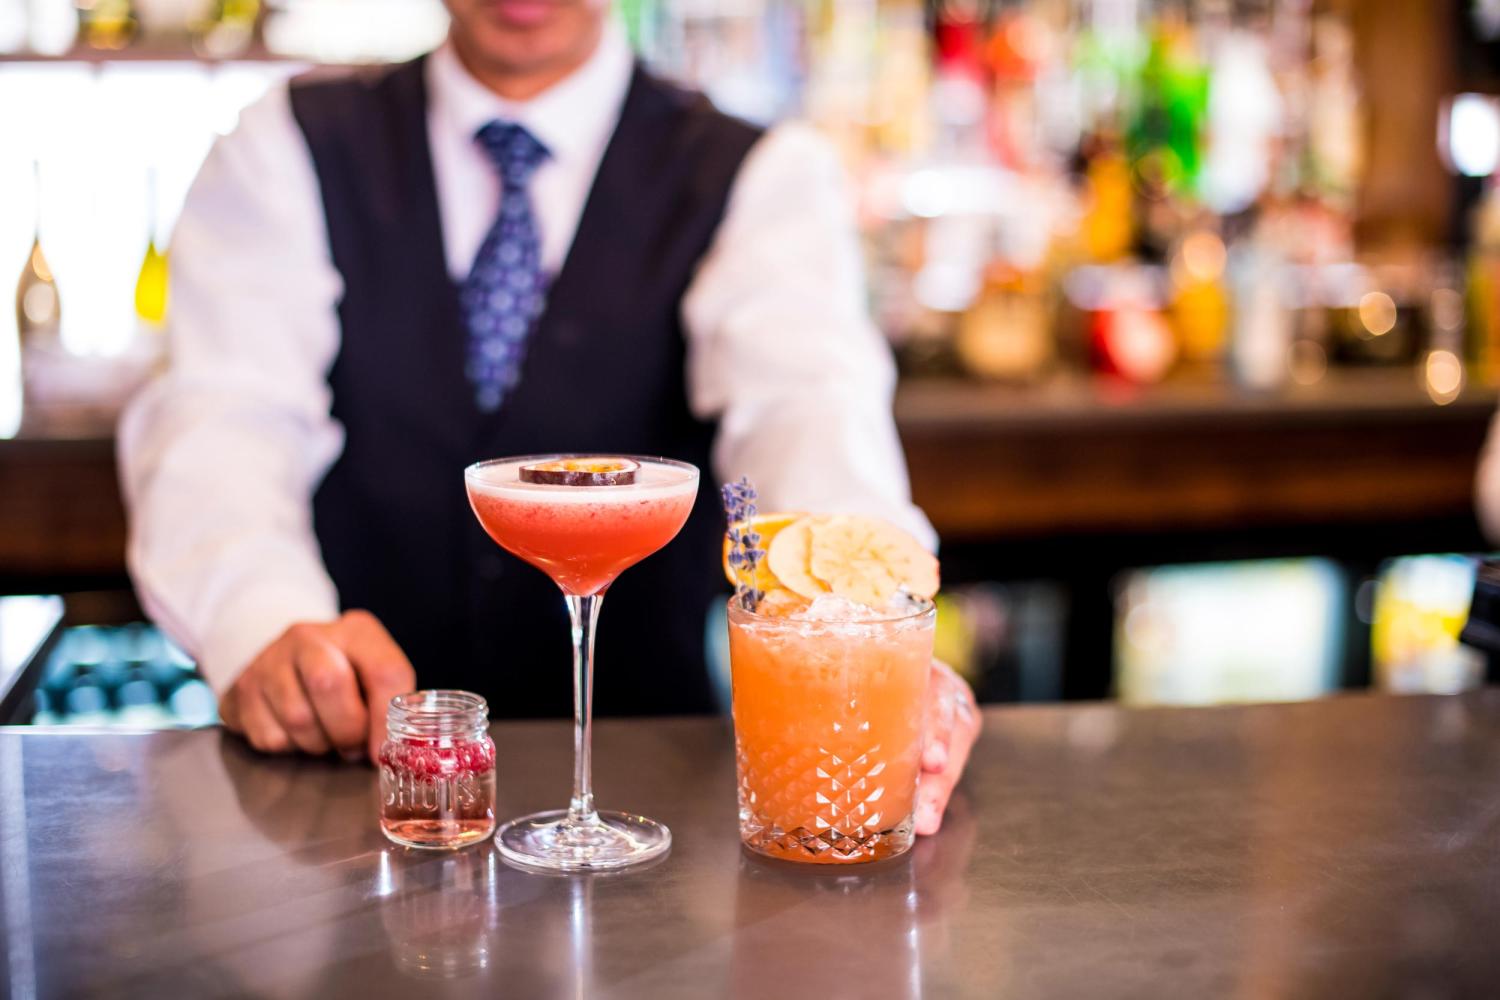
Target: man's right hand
[[320, 687]]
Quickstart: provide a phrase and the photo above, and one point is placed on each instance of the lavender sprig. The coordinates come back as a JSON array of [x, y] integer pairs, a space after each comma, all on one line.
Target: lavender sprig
[[745, 552]]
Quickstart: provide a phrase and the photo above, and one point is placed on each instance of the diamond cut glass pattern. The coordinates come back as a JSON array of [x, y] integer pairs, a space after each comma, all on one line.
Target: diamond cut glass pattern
[[828, 733]]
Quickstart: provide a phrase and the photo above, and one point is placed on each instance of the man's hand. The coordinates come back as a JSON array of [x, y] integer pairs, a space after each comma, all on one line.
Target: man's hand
[[320, 687], [951, 728]]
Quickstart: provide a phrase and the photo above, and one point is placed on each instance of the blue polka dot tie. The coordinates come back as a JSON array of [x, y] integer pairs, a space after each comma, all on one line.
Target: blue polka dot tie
[[505, 291]]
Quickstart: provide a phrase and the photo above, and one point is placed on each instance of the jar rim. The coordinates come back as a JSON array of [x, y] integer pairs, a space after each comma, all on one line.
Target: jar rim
[[437, 713], [438, 701]]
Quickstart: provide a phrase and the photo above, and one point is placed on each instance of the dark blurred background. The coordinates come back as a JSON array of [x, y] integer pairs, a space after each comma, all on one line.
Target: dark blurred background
[[1197, 306]]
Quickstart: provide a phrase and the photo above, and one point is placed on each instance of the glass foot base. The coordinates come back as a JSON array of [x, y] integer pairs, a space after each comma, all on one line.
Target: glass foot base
[[547, 841]]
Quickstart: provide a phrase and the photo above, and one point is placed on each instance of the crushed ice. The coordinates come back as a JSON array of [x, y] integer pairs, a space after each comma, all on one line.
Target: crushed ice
[[835, 608]]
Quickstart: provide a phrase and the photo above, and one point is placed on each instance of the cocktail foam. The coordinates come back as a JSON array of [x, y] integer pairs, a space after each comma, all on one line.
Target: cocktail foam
[[655, 480]]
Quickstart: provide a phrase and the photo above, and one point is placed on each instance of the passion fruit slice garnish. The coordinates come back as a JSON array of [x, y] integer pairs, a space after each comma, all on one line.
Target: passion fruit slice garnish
[[581, 472]]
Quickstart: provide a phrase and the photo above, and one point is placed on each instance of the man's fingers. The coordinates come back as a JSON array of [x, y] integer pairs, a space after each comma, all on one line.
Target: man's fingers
[[935, 788], [960, 743], [964, 733], [952, 727], [260, 727], [293, 709], [309, 689], [229, 711], [381, 683], [935, 754], [941, 715], [933, 792], [383, 670], [331, 686]]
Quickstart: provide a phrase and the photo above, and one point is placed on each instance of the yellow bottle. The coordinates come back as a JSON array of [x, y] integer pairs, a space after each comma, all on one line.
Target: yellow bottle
[[108, 24], [151, 286], [1107, 225]]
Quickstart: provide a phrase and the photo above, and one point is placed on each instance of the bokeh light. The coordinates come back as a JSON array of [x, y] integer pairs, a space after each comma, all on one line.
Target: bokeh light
[[1444, 376], [1377, 313]]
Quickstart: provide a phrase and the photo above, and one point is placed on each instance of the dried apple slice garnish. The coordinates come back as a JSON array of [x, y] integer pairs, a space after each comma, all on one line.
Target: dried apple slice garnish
[[862, 559], [789, 558], [867, 560]]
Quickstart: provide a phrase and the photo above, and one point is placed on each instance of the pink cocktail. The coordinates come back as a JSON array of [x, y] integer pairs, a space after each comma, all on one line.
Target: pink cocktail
[[582, 536], [582, 520]]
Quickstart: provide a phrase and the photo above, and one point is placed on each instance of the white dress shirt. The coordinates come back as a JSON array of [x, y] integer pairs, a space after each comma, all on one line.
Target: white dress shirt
[[220, 456]]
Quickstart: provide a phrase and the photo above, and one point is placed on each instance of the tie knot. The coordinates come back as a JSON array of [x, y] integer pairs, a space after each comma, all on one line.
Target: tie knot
[[515, 152]]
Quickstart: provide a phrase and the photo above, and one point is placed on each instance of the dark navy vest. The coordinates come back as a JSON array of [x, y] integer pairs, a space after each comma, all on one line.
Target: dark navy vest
[[604, 372]]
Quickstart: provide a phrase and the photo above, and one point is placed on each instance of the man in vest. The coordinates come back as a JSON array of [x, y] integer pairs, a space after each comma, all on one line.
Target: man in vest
[[521, 243]]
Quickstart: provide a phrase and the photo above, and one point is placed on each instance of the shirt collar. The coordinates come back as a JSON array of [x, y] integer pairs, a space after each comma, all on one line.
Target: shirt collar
[[573, 116]]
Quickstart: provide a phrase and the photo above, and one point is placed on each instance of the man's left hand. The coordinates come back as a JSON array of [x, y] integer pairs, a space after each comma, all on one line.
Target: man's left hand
[[950, 730]]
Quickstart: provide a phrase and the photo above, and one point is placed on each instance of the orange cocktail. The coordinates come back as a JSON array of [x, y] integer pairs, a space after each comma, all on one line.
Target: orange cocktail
[[828, 728]]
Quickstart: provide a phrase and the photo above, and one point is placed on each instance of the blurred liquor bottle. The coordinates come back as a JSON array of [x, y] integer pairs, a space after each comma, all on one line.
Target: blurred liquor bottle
[[227, 28], [1334, 134], [1199, 300], [1108, 211], [151, 283], [151, 286], [108, 24], [1484, 286], [50, 26], [1444, 373], [1264, 330], [960, 97], [900, 114], [38, 306], [12, 26], [1129, 336], [38, 27], [1007, 334], [863, 71], [1164, 131], [1383, 326]]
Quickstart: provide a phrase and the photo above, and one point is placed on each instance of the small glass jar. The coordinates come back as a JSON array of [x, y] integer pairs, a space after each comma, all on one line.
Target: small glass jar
[[437, 771]]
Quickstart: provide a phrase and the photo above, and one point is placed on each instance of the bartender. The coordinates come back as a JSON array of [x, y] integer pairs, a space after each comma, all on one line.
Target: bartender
[[522, 242]]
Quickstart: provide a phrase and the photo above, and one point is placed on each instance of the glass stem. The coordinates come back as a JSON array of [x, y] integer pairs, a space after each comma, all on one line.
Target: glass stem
[[584, 612]]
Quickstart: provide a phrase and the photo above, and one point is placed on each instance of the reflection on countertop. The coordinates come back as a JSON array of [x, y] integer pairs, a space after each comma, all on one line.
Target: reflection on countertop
[[1337, 848]]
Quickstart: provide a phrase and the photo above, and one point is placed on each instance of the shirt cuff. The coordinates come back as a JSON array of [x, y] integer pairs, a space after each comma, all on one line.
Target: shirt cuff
[[247, 623]]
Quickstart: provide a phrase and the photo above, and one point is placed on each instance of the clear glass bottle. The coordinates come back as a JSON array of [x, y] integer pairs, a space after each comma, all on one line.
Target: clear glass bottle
[[437, 770], [52, 27], [38, 307]]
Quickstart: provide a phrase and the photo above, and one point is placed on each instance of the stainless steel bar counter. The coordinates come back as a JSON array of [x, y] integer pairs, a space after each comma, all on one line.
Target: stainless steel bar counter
[[1345, 848]]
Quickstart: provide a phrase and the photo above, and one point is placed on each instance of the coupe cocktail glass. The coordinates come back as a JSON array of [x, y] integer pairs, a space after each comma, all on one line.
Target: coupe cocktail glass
[[582, 537], [828, 730]]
